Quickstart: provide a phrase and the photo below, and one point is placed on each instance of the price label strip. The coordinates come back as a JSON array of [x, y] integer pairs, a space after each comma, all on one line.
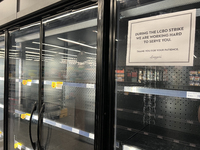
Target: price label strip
[[53, 84], [25, 116], [56, 124], [20, 146], [29, 82], [24, 82], [59, 85]]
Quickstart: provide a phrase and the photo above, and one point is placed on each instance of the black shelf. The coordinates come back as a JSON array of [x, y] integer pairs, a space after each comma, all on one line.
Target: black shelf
[[153, 137], [145, 142], [157, 116]]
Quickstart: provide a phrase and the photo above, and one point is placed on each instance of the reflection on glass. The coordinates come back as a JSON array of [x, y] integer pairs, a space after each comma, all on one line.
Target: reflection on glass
[[23, 84], [2, 56], [154, 110], [69, 66]]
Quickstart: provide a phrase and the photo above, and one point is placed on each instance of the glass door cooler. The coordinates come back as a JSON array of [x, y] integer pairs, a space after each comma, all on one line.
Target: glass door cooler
[[157, 75], [52, 82], [23, 87], [69, 75]]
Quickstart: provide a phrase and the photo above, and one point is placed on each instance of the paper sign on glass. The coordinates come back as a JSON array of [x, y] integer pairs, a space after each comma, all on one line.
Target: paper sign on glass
[[163, 40]]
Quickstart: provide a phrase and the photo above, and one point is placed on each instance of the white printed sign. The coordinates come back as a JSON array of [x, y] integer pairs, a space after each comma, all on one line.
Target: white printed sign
[[91, 135], [163, 40], [75, 130], [19, 146], [58, 125], [193, 95], [90, 85]]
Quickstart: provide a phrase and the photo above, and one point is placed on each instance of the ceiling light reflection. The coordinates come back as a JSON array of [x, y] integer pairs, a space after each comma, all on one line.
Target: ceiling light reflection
[[29, 26], [32, 48], [32, 52], [67, 54], [68, 58], [78, 43], [68, 14], [90, 53], [13, 50], [49, 51], [51, 45], [47, 55], [32, 55], [16, 46]]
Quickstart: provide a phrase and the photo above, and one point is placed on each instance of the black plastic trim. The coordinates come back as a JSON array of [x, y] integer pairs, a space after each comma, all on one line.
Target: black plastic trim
[[39, 126], [41, 84], [6, 90], [30, 122], [105, 84]]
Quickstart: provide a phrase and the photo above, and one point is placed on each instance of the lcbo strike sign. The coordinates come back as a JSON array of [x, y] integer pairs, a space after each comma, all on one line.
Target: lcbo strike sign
[[163, 40]]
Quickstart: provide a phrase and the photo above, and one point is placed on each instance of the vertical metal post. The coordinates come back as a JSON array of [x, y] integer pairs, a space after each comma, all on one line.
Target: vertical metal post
[[41, 80], [6, 90], [111, 73], [105, 84]]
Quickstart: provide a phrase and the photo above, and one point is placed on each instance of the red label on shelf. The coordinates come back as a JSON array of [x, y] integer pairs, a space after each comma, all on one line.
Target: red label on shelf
[[134, 74]]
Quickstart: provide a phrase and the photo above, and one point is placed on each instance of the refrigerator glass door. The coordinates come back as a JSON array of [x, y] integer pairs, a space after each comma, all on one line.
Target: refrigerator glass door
[[23, 85], [158, 75], [69, 78]]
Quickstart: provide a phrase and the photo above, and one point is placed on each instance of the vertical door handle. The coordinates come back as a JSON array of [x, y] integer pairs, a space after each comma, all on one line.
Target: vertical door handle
[[30, 135], [38, 127]]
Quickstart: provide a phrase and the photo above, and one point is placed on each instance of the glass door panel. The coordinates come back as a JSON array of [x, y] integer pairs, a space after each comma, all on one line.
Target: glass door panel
[[157, 103], [23, 85], [69, 66], [2, 56]]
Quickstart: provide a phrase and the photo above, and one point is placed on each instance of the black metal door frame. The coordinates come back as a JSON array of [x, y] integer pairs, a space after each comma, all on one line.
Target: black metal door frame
[[41, 79], [105, 83], [6, 90]]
